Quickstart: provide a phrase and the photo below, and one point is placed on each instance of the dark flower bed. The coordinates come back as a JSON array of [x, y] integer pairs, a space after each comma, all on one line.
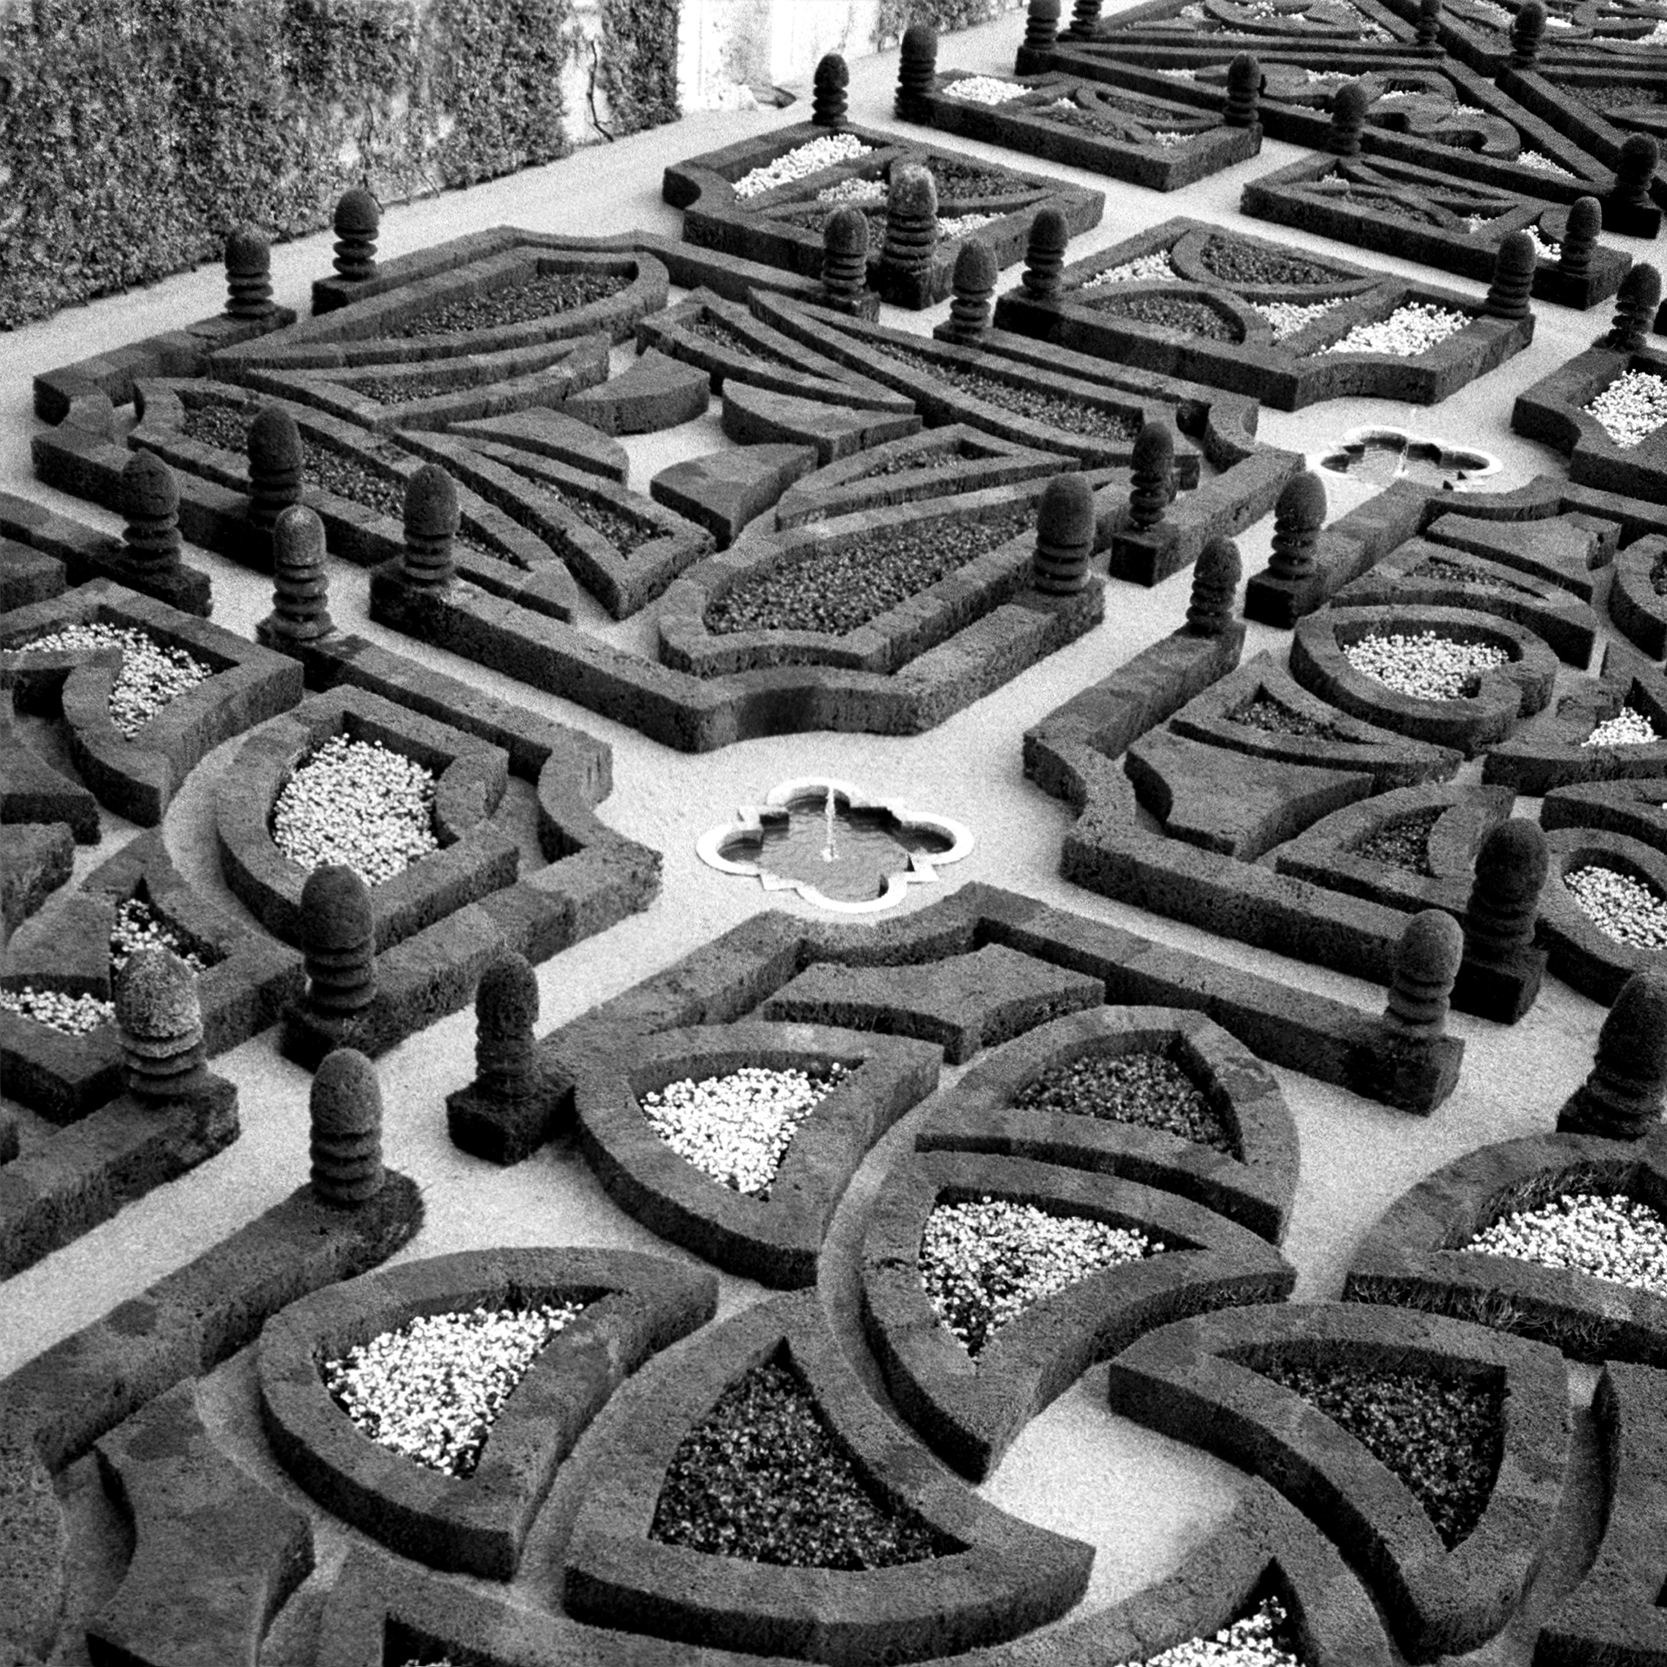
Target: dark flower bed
[[1658, 576], [1456, 572], [336, 472], [956, 180], [388, 390], [764, 1478], [838, 590], [1274, 717], [218, 425], [1394, 207], [720, 335], [551, 292], [1403, 842], [1174, 312], [1236, 262], [1618, 100], [927, 457], [1444, 1440], [1144, 1086], [625, 532]]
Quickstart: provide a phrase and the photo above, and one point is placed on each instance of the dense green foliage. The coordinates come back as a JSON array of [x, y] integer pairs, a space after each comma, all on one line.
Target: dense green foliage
[[637, 65], [896, 15]]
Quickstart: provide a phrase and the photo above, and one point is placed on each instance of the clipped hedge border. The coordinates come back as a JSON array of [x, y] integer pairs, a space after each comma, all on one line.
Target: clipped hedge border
[[636, 1306], [970, 1411], [1197, 1381], [1636, 608], [1256, 1188], [35, 859], [777, 1239], [1409, 1259], [1553, 411], [1582, 953], [1631, 807]]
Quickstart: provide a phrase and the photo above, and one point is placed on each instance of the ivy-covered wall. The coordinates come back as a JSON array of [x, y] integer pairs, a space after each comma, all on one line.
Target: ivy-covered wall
[[896, 15], [135, 133], [637, 63]]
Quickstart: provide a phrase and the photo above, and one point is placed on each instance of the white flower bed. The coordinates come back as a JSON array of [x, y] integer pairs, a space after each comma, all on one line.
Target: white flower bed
[[1141, 269], [1288, 317], [1619, 906], [1632, 407], [984, 1263], [801, 161], [737, 1128], [1628, 728], [358, 803], [151, 674], [985, 89], [1542, 164], [432, 1388], [73, 1015], [1169, 138], [1179, 74], [1247, 1643], [1407, 332], [853, 191], [1426, 666], [1618, 1239], [963, 225], [137, 928]]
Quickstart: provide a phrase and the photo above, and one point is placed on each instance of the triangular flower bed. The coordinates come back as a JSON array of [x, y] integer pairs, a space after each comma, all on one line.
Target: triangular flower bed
[[1202, 1381], [970, 1408], [634, 1306], [773, 1234], [1020, 1103], [985, 1576]]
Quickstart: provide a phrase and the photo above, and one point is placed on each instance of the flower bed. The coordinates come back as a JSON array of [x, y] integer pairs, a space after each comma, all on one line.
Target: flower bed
[[1619, 905], [1610, 1237], [152, 674], [1603, 913], [1406, 333], [1632, 407], [1426, 666], [1607, 411], [800, 162]]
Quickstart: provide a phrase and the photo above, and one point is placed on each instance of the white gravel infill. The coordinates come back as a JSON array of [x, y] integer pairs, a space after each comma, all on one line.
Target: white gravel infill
[[1288, 317], [962, 225], [1621, 907], [1426, 666], [1542, 164], [737, 1128], [358, 803], [1246, 1643], [1407, 332], [985, 89], [1618, 1239], [854, 191], [1139, 270], [1628, 728], [151, 674], [432, 1388], [1633, 406], [137, 928], [801, 161], [995, 1258]]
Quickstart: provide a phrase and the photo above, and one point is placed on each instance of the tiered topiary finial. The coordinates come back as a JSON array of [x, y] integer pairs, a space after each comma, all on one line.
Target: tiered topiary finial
[[917, 68], [248, 275], [1215, 583], [160, 1021], [974, 285], [1428, 35], [274, 465], [1041, 26], [1634, 173], [1527, 31], [911, 218], [829, 98], [1348, 119], [845, 254], [1427, 962], [1513, 277], [1504, 901], [1244, 91], [432, 517], [1085, 18], [338, 946], [1622, 1097], [345, 1114], [358, 220], [506, 1012], [1045, 255], [150, 507], [1152, 482], [1636, 303], [300, 589], [1580, 237], [1298, 516], [1064, 536]]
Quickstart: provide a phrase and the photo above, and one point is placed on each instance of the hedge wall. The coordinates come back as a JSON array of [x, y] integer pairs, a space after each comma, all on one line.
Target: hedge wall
[[637, 66], [896, 15], [135, 133]]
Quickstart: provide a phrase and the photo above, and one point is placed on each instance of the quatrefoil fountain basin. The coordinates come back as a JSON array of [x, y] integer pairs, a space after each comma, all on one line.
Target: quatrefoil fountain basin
[[834, 847], [1380, 456]]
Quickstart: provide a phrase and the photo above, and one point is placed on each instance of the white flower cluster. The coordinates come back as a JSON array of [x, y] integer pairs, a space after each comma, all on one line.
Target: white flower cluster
[[1168, 138], [137, 928], [358, 803], [963, 225], [993, 1258], [1426, 666], [811, 158], [1618, 1239], [856, 190], [151, 674], [1288, 317], [985, 89], [1247, 1643], [431, 1388], [1179, 74], [1139, 270], [1407, 332], [1619, 906], [1628, 728], [73, 1015], [1542, 164], [737, 1128], [1632, 406]]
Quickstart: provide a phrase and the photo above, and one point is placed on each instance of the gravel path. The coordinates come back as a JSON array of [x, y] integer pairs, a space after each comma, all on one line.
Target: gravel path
[[1426, 666], [1259, 1640], [1619, 906], [1618, 1239], [1144, 1086], [1407, 332], [1632, 407], [432, 1389], [151, 675]]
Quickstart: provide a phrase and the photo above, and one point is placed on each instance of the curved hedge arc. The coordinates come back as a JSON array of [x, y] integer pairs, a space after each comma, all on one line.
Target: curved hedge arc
[[474, 1525], [1582, 953], [1255, 1188], [970, 1412]]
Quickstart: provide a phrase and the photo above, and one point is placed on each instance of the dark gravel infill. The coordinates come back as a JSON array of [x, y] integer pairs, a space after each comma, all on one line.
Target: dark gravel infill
[[218, 425], [1236, 262], [1619, 100], [1403, 842], [554, 292], [625, 532], [1457, 572], [1174, 312], [838, 590], [928, 457], [957, 181], [1143, 1086], [1274, 717], [1393, 207], [1658, 576], [764, 1478], [720, 335], [1054, 409], [388, 390], [1131, 129], [1444, 1440]]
